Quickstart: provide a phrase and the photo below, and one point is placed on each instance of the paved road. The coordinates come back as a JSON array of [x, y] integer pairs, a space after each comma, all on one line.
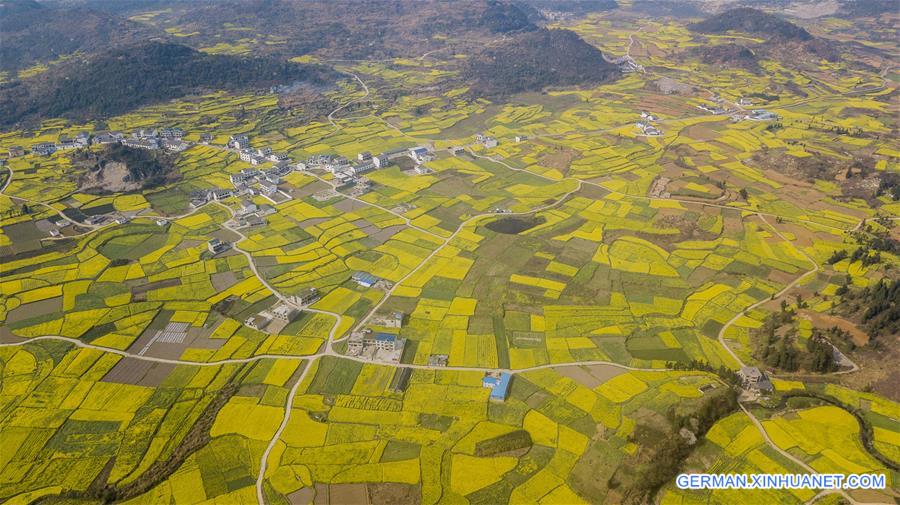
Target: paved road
[[762, 431], [329, 351]]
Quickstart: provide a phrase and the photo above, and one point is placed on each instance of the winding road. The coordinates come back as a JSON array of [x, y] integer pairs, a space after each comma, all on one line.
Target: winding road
[[328, 350]]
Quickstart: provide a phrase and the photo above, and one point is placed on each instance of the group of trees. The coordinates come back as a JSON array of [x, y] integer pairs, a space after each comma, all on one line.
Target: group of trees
[[108, 84], [664, 449], [878, 307], [779, 349], [150, 168], [534, 60], [726, 374]]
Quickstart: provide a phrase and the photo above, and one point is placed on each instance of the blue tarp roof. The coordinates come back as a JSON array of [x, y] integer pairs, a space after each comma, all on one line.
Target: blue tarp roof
[[365, 277], [499, 385], [387, 337]]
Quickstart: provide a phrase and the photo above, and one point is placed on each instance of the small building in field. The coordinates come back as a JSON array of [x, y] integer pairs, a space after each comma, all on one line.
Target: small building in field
[[247, 207], [381, 161], [498, 383], [305, 297], [420, 154], [216, 246], [385, 341], [15, 151], [754, 379], [257, 322], [364, 156], [239, 142], [43, 149], [283, 312], [364, 279], [268, 188]]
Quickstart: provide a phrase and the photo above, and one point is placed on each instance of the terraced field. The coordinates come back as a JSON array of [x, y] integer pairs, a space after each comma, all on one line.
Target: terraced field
[[620, 278]]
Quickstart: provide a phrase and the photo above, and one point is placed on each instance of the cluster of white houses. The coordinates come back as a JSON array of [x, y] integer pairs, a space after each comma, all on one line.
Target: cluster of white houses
[[739, 115], [169, 139], [646, 125]]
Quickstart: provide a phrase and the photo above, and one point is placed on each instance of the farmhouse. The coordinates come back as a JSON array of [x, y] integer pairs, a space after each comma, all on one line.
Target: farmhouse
[[171, 133], [216, 246], [175, 145], [754, 379], [384, 347], [43, 149], [257, 322], [16, 151], [142, 143], [305, 297], [104, 138], [420, 154], [485, 140], [336, 165], [145, 133], [219, 194], [65, 142], [247, 207], [239, 142], [342, 179], [761, 115], [268, 188], [381, 161], [498, 383], [283, 313], [244, 176], [362, 168]]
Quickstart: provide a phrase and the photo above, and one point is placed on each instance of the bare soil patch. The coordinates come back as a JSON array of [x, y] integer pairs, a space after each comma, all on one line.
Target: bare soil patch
[[591, 375], [860, 338]]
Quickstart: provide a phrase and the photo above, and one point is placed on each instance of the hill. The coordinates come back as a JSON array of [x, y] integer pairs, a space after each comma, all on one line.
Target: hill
[[781, 36], [535, 60], [34, 33], [130, 77], [572, 7], [728, 55], [754, 22], [120, 168], [867, 8], [344, 29]]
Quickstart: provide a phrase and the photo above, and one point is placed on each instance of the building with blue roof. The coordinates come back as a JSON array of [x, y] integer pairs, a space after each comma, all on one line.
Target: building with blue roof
[[365, 279], [498, 383], [385, 341]]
